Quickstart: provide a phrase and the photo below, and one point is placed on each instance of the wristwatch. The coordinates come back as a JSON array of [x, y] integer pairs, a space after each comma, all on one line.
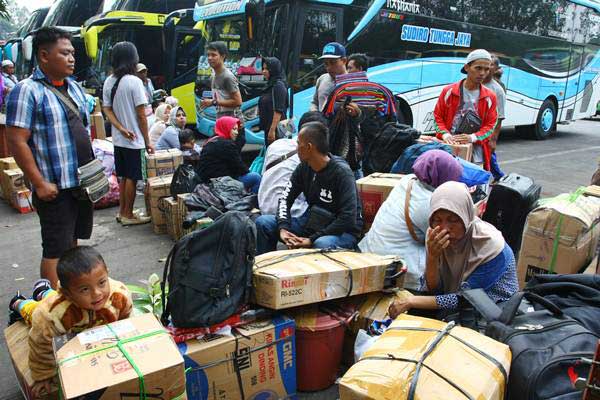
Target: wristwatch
[[214, 103]]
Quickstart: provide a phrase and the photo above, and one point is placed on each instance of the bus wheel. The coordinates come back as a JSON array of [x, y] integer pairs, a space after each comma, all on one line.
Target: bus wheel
[[545, 122]]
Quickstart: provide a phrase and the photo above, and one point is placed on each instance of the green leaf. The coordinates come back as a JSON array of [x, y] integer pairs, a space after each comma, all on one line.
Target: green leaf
[[137, 289], [153, 280], [141, 303]]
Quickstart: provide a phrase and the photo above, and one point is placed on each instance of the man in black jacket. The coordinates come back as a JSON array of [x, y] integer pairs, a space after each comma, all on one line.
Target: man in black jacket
[[333, 218]]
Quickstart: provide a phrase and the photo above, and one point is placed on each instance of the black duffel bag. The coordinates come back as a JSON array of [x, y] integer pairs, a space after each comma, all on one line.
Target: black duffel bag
[[384, 149], [547, 346], [209, 272]]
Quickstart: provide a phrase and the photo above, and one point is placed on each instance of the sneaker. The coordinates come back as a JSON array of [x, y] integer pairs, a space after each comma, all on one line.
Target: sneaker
[[137, 211], [136, 220], [13, 314], [39, 287]]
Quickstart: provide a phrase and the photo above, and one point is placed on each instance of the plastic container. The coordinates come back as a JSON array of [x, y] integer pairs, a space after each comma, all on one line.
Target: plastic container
[[319, 344]]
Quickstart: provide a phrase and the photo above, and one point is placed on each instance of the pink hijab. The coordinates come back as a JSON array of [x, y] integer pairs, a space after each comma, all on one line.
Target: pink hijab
[[224, 126]]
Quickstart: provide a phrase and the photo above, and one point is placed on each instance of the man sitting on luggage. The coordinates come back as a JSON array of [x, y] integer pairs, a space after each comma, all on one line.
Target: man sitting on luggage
[[333, 218]]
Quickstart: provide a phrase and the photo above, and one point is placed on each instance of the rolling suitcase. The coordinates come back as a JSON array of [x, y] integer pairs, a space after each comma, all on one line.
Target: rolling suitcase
[[509, 203]]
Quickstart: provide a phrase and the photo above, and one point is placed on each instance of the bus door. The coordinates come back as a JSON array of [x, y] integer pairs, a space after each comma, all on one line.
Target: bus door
[[568, 96], [583, 106], [316, 26]]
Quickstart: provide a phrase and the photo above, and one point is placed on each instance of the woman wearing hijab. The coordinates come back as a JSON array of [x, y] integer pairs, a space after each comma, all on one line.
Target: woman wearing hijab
[[391, 229], [170, 137], [463, 252], [161, 117], [221, 156], [273, 102]]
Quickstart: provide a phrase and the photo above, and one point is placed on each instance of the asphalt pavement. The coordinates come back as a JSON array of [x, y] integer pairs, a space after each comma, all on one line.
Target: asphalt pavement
[[560, 164]]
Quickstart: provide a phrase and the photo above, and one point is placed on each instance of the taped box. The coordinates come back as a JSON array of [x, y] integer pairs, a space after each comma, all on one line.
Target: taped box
[[8, 163], [98, 127], [464, 151], [290, 278], [22, 201], [173, 217], [11, 181], [453, 358], [110, 361], [560, 236], [17, 342], [163, 162], [156, 189], [257, 362], [373, 191]]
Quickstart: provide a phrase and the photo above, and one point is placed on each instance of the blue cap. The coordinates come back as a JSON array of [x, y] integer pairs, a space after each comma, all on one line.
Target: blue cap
[[333, 50]]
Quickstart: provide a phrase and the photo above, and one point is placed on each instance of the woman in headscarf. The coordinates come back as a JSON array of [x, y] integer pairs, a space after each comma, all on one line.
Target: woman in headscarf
[[273, 102], [161, 117], [463, 252], [170, 137], [391, 229], [221, 156]]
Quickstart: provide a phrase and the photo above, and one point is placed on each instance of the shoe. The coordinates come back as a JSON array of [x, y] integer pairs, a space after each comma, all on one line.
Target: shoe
[[13, 315], [137, 211], [39, 287], [136, 220]]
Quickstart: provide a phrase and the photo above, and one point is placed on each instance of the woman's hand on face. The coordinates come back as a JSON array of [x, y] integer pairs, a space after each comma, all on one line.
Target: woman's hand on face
[[399, 306], [437, 240]]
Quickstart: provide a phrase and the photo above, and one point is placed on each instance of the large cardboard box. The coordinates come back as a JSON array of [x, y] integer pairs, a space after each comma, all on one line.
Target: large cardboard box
[[98, 128], [17, 337], [392, 367], [157, 188], [8, 163], [104, 362], [257, 362], [163, 162], [97, 105], [11, 181], [464, 151], [173, 217], [560, 236], [290, 278], [373, 190]]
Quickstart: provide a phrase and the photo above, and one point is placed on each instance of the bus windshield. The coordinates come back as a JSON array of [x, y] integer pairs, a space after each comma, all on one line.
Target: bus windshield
[[150, 6], [71, 12]]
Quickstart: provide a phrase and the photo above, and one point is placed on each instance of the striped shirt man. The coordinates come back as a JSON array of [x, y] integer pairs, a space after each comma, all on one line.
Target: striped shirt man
[[32, 106]]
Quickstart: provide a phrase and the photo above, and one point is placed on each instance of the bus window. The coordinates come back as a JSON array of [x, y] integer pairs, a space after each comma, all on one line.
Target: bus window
[[319, 29], [152, 6], [274, 31], [187, 53]]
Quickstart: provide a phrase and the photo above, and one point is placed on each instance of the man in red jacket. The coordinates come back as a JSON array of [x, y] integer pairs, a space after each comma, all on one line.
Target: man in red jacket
[[469, 96]]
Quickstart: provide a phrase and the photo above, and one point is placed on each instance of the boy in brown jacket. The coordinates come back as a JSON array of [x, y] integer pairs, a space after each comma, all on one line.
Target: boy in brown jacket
[[87, 297]]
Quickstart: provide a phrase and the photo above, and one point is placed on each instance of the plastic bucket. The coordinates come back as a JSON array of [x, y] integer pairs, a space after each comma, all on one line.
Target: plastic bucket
[[319, 352]]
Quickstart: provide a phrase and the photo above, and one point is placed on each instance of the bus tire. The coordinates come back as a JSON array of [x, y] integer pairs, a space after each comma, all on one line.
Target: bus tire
[[545, 123]]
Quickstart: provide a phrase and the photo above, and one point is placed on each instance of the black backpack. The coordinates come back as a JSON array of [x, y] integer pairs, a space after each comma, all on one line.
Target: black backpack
[[385, 148], [209, 272], [547, 347]]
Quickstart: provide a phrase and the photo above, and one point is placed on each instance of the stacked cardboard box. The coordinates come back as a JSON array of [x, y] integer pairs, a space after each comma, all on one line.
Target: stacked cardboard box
[[98, 127], [157, 188], [109, 361], [163, 162], [560, 236], [173, 217], [257, 362], [291, 278], [17, 336], [464, 151], [14, 189], [373, 191]]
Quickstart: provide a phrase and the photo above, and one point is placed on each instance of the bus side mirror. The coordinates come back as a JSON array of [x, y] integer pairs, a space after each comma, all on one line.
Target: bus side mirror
[[255, 12], [27, 47], [90, 38]]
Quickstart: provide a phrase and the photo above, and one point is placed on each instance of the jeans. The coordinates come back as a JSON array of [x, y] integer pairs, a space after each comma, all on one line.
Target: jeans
[[495, 167], [251, 181], [267, 235]]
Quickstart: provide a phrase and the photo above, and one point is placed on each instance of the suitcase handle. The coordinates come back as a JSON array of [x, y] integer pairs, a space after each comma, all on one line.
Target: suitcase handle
[[512, 306]]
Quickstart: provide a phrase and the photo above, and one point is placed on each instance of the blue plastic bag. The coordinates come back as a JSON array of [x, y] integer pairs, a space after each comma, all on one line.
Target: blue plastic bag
[[473, 174], [259, 161]]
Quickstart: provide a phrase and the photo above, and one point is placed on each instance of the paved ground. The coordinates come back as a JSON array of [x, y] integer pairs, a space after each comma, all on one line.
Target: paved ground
[[560, 163]]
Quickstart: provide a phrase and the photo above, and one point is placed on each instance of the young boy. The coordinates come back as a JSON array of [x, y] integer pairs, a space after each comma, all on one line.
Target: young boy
[[187, 143], [87, 297]]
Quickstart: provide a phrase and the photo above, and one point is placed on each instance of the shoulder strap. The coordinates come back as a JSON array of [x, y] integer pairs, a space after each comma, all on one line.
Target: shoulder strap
[[280, 159], [66, 102], [113, 91], [409, 224]]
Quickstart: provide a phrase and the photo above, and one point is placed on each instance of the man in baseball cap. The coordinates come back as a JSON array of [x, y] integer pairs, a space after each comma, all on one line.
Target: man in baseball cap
[[334, 59], [8, 71], [466, 110]]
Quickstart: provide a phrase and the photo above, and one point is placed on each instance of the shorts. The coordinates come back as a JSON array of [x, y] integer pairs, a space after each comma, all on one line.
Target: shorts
[[128, 163], [70, 216]]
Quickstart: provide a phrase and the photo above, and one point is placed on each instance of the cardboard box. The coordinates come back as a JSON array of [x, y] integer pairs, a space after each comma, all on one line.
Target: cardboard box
[[98, 128], [464, 151], [90, 365], [12, 181], [391, 367], [98, 105], [17, 342], [8, 163], [260, 360], [173, 217], [290, 278], [373, 190], [22, 201], [568, 221], [163, 162], [156, 189]]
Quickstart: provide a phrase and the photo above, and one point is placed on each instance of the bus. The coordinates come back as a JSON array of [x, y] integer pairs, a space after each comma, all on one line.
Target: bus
[[549, 51], [68, 15], [163, 32]]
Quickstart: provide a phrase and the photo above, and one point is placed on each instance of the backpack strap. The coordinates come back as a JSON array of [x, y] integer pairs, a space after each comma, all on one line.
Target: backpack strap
[[409, 224], [113, 91], [164, 318], [281, 159]]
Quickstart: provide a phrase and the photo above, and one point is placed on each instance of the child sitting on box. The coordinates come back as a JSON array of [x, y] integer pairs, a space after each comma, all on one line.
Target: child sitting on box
[[87, 297]]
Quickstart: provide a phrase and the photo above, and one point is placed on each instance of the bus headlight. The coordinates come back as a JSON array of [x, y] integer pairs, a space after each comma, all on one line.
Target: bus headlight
[[250, 113]]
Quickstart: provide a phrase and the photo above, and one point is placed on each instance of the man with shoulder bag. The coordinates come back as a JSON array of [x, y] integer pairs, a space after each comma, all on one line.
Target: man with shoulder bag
[[333, 218], [466, 110], [48, 132]]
